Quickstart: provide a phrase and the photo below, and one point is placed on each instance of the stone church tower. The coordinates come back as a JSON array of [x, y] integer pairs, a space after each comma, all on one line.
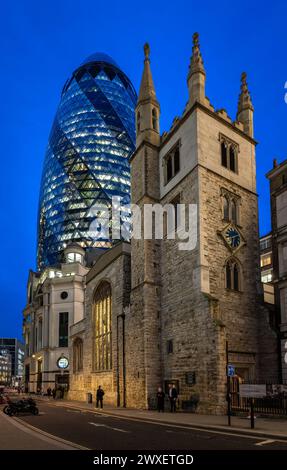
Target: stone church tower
[[187, 305], [144, 369]]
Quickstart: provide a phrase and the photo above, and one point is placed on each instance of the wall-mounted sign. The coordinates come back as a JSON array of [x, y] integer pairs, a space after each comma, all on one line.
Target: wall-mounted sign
[[252, 391], [190, 378], [63, 362], [230, 370]]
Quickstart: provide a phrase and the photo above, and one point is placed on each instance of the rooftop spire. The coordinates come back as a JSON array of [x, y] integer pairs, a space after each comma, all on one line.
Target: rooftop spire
[[244, 101], [147, 91], [196, 62], [245, 107], [196, 74]]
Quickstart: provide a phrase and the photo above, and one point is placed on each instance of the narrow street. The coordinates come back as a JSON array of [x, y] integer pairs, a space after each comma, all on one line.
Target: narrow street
[[99, 431]]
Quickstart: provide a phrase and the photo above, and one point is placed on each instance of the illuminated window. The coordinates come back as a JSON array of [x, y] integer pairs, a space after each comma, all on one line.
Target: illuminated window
[[74, 258], [266, 278], [265, 260], [102, 327]]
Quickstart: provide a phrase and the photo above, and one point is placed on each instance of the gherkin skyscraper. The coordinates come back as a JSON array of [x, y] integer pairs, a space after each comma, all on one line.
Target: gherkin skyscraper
[[87, 157]]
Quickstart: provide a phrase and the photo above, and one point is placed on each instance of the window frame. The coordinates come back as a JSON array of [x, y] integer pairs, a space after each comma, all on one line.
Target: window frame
[[231, 149], [63, 340], [230, 199], [169, 159], [231, 267]]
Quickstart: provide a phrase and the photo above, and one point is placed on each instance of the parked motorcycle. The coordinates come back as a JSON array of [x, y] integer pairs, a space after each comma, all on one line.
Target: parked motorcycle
[[22, 406]]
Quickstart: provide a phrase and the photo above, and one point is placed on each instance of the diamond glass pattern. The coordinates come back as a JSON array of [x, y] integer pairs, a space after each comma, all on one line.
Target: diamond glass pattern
[[87, 157]]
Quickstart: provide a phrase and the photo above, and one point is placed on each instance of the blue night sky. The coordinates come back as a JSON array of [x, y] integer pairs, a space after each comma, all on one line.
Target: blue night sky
[[43, 42]]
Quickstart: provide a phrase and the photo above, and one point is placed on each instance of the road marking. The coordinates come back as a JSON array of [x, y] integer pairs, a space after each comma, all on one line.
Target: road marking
[[263, 443], [178, 426], [73, 411], [109, 427]]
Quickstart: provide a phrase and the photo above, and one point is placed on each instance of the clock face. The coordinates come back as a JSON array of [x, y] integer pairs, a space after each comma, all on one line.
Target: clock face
[[62, 363], [232, 237]]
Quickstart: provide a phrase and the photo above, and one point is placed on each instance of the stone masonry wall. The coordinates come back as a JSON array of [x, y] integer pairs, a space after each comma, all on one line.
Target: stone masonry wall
[[118, 275]]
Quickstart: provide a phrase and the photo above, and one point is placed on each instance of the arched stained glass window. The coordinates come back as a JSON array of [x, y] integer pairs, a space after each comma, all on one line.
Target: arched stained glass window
[[103, 327]]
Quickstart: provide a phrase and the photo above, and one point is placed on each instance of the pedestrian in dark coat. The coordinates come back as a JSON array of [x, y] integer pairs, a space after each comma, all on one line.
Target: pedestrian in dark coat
[[100, 396], [160, 399], [172, 394]]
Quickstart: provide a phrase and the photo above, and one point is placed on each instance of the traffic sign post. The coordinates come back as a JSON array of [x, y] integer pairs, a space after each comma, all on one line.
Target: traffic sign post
[[228, 394]]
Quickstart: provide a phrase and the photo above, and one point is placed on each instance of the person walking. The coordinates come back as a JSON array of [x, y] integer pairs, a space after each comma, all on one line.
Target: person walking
[[172, 393], [49, 391], [54, 393], [160, 399], [100, 396]]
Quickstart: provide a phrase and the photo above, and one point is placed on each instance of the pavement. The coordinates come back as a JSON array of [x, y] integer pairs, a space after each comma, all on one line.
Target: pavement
[[14, 435], [264, 427]]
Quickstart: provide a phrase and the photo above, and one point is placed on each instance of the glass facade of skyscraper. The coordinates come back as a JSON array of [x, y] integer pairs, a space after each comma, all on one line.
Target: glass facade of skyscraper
[[87, 158]]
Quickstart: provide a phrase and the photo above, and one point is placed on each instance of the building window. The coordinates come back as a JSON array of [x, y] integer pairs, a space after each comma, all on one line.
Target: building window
[[138, 122], [103, 327], [172, 163], [233, 210], [154, 119], [265, 260], [223, 154], [266, 277], [225, 208], [230, 206], [265, 244], [232, 159], [74, 258], [169, 168], [169, 346], [232, 275], [63, 329], [40, 325], [229, 153], [228, 276], [78, 355]]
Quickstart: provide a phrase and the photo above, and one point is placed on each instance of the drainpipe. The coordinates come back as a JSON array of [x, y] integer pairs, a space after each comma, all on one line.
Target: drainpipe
[[118, 365], [124, 363], [122, 316]]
